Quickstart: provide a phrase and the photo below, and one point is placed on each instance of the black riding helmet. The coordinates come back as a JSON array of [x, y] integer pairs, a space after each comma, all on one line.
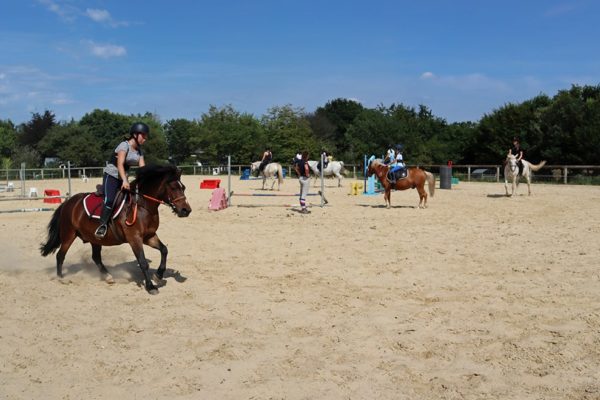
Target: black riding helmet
[[139, 127]]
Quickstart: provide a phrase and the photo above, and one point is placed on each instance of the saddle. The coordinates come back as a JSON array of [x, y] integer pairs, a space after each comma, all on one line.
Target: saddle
[[397, 175], [94, 202]]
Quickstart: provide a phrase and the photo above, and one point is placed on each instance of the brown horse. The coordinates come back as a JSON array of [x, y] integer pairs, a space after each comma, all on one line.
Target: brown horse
[[136, 225], [415, 178]]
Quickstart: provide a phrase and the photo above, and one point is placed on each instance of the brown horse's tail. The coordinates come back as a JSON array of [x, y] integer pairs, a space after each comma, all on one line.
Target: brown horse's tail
[[431, 181], [53, 242]]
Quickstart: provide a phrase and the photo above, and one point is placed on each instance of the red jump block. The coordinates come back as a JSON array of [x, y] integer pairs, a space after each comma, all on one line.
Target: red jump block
[[210, 184], [52, 196]]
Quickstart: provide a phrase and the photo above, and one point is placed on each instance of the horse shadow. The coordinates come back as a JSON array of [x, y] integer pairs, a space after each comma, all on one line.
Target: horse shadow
[[124, 272], [503, 195], [384, 206]]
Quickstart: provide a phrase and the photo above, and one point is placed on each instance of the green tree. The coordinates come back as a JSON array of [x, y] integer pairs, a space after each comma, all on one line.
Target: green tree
[[183, 139], [288, 131], [155, 149], [72, 142], [226, 131], [33, 131], [8, 138], [108, 129], [571, 126], [330, 123], [26, 154], [370, 134]]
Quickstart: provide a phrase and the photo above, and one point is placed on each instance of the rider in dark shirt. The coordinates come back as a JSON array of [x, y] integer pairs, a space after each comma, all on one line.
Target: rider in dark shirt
[[518, 152], [266, 159]]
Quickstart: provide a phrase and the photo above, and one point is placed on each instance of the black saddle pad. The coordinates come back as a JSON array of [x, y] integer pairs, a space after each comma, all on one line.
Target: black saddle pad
[[396, 176]]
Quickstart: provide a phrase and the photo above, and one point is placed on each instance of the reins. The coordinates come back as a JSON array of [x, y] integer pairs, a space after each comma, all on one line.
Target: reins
[[159, 201]]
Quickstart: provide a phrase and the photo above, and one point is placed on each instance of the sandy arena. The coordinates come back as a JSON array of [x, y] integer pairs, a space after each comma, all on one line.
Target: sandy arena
[[479, 296]]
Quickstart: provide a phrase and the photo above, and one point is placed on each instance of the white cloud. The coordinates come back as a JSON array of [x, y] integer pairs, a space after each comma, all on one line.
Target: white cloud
[[64, 11], [560, 9], [106, 50], [104, 17], [61, 99], [474, 81], [98, 15]]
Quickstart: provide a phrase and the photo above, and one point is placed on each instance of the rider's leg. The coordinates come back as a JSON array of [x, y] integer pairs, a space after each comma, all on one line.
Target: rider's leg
[[111, 186], [104, 218], [520, 167]]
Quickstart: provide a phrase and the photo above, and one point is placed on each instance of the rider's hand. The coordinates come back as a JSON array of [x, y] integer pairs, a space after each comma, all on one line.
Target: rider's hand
[[125, 185]]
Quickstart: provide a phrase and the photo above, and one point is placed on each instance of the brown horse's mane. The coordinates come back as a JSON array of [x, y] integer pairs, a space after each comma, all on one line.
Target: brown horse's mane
[[378, 163], [150, 173]]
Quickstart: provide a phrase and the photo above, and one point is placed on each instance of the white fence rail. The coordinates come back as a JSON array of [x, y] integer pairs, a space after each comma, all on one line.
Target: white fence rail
[[566, 174]]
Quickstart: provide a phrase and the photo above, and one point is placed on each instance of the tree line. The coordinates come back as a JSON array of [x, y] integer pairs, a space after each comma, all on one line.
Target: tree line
[[563, 129]]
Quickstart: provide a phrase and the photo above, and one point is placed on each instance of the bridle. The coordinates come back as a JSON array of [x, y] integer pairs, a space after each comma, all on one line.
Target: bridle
[[168, 202], [512, 166]]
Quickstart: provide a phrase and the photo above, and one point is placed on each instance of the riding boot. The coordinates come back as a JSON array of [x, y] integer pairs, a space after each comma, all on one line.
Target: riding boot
[[104, 219]]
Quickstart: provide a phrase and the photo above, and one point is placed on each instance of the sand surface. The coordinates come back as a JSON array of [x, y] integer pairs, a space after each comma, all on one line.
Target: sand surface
[[479, 296]]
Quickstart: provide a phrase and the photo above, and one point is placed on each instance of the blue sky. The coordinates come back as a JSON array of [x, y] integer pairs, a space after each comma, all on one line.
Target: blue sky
[[176, 58]]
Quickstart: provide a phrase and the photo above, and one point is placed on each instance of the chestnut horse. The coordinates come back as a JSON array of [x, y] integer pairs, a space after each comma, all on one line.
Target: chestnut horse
[[415, 178], [136, 224]]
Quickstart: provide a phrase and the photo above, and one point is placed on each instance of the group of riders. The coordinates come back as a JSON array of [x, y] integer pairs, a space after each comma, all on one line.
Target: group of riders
[[267, 158], [129, 153], [397, 168]]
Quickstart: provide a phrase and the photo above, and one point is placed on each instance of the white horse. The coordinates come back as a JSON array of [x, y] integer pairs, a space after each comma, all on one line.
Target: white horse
[[511, 173], [334, 168], [271, 170]]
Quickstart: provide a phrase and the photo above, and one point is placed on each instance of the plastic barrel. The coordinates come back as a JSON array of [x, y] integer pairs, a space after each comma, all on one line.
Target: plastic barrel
[[445, 177]]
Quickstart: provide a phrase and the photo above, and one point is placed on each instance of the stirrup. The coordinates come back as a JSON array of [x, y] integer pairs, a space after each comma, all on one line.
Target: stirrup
[[101, 231]]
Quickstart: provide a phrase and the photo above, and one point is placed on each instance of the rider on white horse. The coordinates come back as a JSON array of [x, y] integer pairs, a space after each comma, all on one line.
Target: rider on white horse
[[325, 157], [518, 152], [266, 159]]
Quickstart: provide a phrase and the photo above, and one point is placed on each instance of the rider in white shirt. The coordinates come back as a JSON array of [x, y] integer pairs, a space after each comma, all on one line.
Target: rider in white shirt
[[397, 164], [390, 156]]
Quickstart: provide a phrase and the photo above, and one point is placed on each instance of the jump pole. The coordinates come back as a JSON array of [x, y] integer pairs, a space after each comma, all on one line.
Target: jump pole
[[365, 175], [26, 210], [229, 180], [322, 181]]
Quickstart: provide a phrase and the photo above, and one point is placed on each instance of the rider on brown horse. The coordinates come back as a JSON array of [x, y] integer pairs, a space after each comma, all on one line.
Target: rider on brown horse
[[127, 153], [397, 166]]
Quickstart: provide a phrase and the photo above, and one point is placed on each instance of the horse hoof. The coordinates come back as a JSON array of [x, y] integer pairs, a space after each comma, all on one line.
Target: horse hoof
[[153, 291], [109, 279]]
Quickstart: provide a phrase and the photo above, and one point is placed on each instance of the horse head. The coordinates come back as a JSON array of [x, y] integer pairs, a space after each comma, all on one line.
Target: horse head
[[511, 162], [254, 166], [163, 184], [375, 166]]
